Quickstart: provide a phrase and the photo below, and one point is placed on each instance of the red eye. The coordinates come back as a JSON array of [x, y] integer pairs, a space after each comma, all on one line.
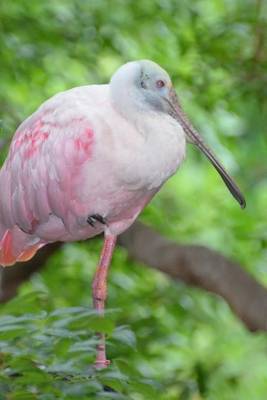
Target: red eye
[[160, 84]]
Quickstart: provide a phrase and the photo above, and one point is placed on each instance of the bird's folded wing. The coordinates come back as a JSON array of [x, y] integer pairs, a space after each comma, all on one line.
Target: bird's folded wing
[[43, 168]]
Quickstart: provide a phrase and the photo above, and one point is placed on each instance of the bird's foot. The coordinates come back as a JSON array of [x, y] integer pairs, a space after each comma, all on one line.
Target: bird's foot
[[101, 364], [92, 219]]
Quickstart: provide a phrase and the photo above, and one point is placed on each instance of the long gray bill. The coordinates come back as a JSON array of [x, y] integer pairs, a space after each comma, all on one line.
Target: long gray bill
[[194, 137]]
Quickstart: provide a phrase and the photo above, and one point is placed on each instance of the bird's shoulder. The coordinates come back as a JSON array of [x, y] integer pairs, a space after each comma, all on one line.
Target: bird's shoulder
[[63, 123], [70, 106]]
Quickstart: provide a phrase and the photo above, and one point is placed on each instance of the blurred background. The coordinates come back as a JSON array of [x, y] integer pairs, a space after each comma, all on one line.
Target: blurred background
[[167, 340]]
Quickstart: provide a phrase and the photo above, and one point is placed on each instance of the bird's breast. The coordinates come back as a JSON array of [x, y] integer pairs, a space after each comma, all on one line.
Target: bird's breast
[[156, 155], [129, 164]]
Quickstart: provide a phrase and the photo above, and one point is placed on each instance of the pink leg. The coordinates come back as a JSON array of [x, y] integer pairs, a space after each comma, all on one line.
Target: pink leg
[[100, 295]]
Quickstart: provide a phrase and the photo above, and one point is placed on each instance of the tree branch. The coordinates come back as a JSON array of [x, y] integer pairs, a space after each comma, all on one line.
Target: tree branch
[[195, 265], [201, 267], [12, 277]]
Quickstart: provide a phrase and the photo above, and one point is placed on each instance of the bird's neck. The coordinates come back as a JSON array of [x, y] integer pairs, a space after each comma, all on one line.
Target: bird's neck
[[126, 97], [128, 104]]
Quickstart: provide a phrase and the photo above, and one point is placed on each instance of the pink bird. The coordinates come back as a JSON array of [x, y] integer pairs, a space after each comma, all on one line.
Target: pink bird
[[88, 161]]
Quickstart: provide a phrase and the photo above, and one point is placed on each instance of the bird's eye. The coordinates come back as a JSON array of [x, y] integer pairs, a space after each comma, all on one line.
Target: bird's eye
[[160, 84], [143, 85]]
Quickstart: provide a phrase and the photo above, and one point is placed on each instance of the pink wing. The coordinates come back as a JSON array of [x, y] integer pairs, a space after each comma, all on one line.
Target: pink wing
[[41, 174]]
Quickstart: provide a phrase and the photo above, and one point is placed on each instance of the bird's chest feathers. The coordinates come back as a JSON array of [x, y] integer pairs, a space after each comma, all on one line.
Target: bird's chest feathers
[[156, 155]]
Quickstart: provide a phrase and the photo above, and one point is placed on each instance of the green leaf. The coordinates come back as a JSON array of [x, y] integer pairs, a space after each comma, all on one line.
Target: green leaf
[[124, 335]]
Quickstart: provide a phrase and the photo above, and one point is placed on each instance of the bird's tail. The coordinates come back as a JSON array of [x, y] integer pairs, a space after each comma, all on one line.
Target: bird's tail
[[16, 245]]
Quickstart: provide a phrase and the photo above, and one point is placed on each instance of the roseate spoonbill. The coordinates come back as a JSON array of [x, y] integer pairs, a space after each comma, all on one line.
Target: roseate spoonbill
[[88, 161]]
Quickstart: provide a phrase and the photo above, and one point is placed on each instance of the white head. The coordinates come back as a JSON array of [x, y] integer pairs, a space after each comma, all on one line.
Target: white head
[[142, 87]]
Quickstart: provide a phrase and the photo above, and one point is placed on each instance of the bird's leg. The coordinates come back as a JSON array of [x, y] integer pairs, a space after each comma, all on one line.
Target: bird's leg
[[100, 295]]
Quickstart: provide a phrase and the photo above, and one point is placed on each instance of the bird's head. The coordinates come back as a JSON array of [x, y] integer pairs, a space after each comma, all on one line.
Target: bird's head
[[145, 86]]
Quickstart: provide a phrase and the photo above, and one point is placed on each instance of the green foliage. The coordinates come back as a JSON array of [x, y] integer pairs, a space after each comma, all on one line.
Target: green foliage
[[166, 341], [188, 344]]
